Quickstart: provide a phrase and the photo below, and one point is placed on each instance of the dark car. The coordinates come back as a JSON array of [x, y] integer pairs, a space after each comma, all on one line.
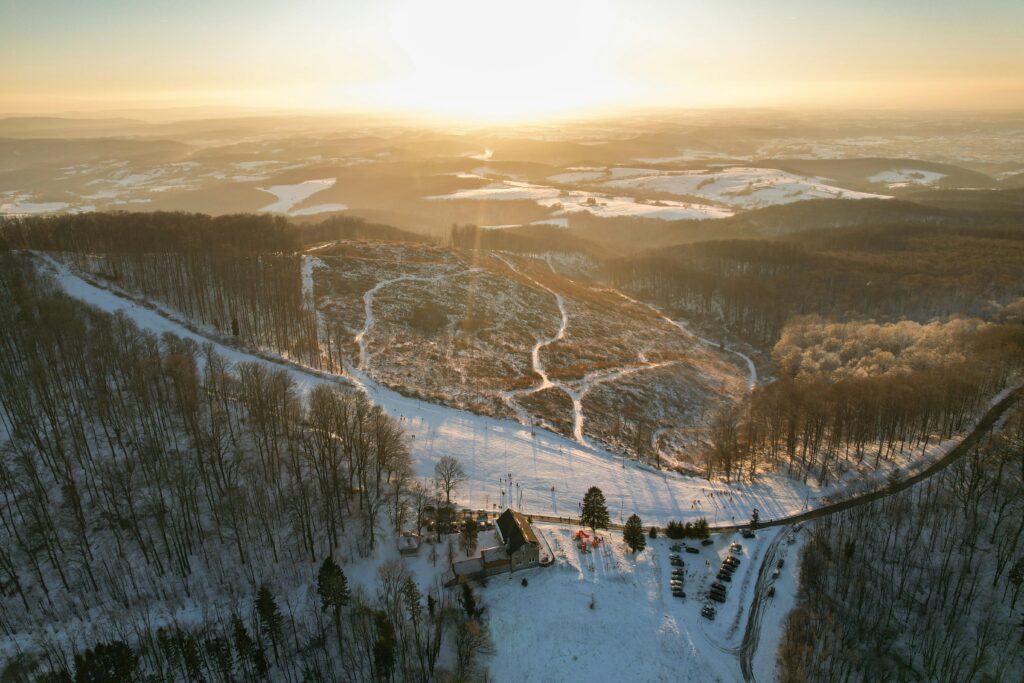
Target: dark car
[[679, 594], [724, 576], [676, 563], [780, 563], [708, 612], [675, 547], [771, 591], [728, 568], [692, 550], [720, 586], [717, 597], [747, 533], [706, 541], [734, 561]]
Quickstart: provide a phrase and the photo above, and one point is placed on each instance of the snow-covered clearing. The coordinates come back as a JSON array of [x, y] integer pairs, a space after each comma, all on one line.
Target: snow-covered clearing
[[317, 208], [904, 177], [290, 195], [574, 201], [741, 187], [656, 636], [552, 471]]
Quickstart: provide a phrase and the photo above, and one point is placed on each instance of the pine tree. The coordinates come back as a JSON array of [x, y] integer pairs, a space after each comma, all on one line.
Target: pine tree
[[106, 663], [270, 618], [633, 534], [332, 587], [595, 511], [468, 537]]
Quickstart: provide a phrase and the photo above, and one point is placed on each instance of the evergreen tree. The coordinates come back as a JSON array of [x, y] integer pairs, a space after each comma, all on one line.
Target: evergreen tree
[[595, 511], [633, 534], [755, 516], [270, 618], [468, 537], [384, 648], [332, 587], [234, 327], [112, 662], [468, 601]]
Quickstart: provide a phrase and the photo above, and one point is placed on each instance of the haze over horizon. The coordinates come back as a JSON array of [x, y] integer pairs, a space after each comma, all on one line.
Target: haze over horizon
[[490, 62]]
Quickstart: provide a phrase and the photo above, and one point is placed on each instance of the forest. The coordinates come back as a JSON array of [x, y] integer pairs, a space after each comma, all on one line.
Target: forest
[[165, 516], [922, 585], [752, 287]]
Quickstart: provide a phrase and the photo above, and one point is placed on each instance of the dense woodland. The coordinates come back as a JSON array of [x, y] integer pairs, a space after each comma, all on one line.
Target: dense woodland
[[819, 421], [752, 287], [165, 516], [924, 585]]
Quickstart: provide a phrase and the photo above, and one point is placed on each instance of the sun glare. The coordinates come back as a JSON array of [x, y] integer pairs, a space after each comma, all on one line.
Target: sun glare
[[501, 62]]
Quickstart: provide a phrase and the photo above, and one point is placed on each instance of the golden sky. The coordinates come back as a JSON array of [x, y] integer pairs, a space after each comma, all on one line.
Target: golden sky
[[475, 59]]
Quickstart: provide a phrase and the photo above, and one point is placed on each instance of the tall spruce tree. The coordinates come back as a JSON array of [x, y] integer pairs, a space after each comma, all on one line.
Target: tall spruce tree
[[595, 511], [332, 587], [633, 534]]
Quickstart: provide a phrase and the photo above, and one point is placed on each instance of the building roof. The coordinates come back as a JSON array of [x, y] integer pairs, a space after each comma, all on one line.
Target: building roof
[[515, 530], [494, 555], [473, 565]]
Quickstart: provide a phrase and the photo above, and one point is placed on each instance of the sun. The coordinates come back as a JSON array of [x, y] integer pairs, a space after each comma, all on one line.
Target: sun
[[500, 61]]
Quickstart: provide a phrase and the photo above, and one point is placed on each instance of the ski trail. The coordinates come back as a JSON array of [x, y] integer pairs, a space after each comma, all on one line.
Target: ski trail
[[368, 296], [752, 378], [574, 390], [309, 264]]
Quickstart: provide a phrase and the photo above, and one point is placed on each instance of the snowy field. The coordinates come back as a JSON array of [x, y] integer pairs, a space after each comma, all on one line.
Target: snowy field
[[289, 196], [575, 201], [905, 177], [637, 630], [739, 187]]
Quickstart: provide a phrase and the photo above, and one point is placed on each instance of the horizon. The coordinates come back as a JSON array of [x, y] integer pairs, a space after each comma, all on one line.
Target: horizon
[[465, 62]]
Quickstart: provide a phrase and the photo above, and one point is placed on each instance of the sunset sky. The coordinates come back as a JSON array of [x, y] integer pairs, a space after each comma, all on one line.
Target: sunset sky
[[473, 59]]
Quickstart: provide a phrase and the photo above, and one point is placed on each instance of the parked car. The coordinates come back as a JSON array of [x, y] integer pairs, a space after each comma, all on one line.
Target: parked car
[[747, 533], [676, 563], [706, 541], [736, 546], [708, 612], [734, 561], [691, 549], [727, 568], [716, 584], [719, 593], [679, 594], [675, 547], [781, 562], [674, 556], [717, 597], [724, 576], [771, 591], [775, 573]]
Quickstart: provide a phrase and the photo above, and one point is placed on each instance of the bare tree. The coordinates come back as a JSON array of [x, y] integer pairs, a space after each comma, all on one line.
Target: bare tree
[[448, 475]]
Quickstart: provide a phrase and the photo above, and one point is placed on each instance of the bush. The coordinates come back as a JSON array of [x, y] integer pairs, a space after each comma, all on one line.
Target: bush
[[653, 532]]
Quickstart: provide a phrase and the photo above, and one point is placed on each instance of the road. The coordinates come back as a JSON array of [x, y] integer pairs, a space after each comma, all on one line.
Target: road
[[752, 633]]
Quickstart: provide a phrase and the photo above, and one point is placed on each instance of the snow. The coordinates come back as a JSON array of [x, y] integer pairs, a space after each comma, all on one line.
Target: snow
[[636, 631], [551, 471], [290, 195], [741, 187], [577, 177], [577, 201], [490, 448], [505, 190], [21, 207], [904, 177]]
